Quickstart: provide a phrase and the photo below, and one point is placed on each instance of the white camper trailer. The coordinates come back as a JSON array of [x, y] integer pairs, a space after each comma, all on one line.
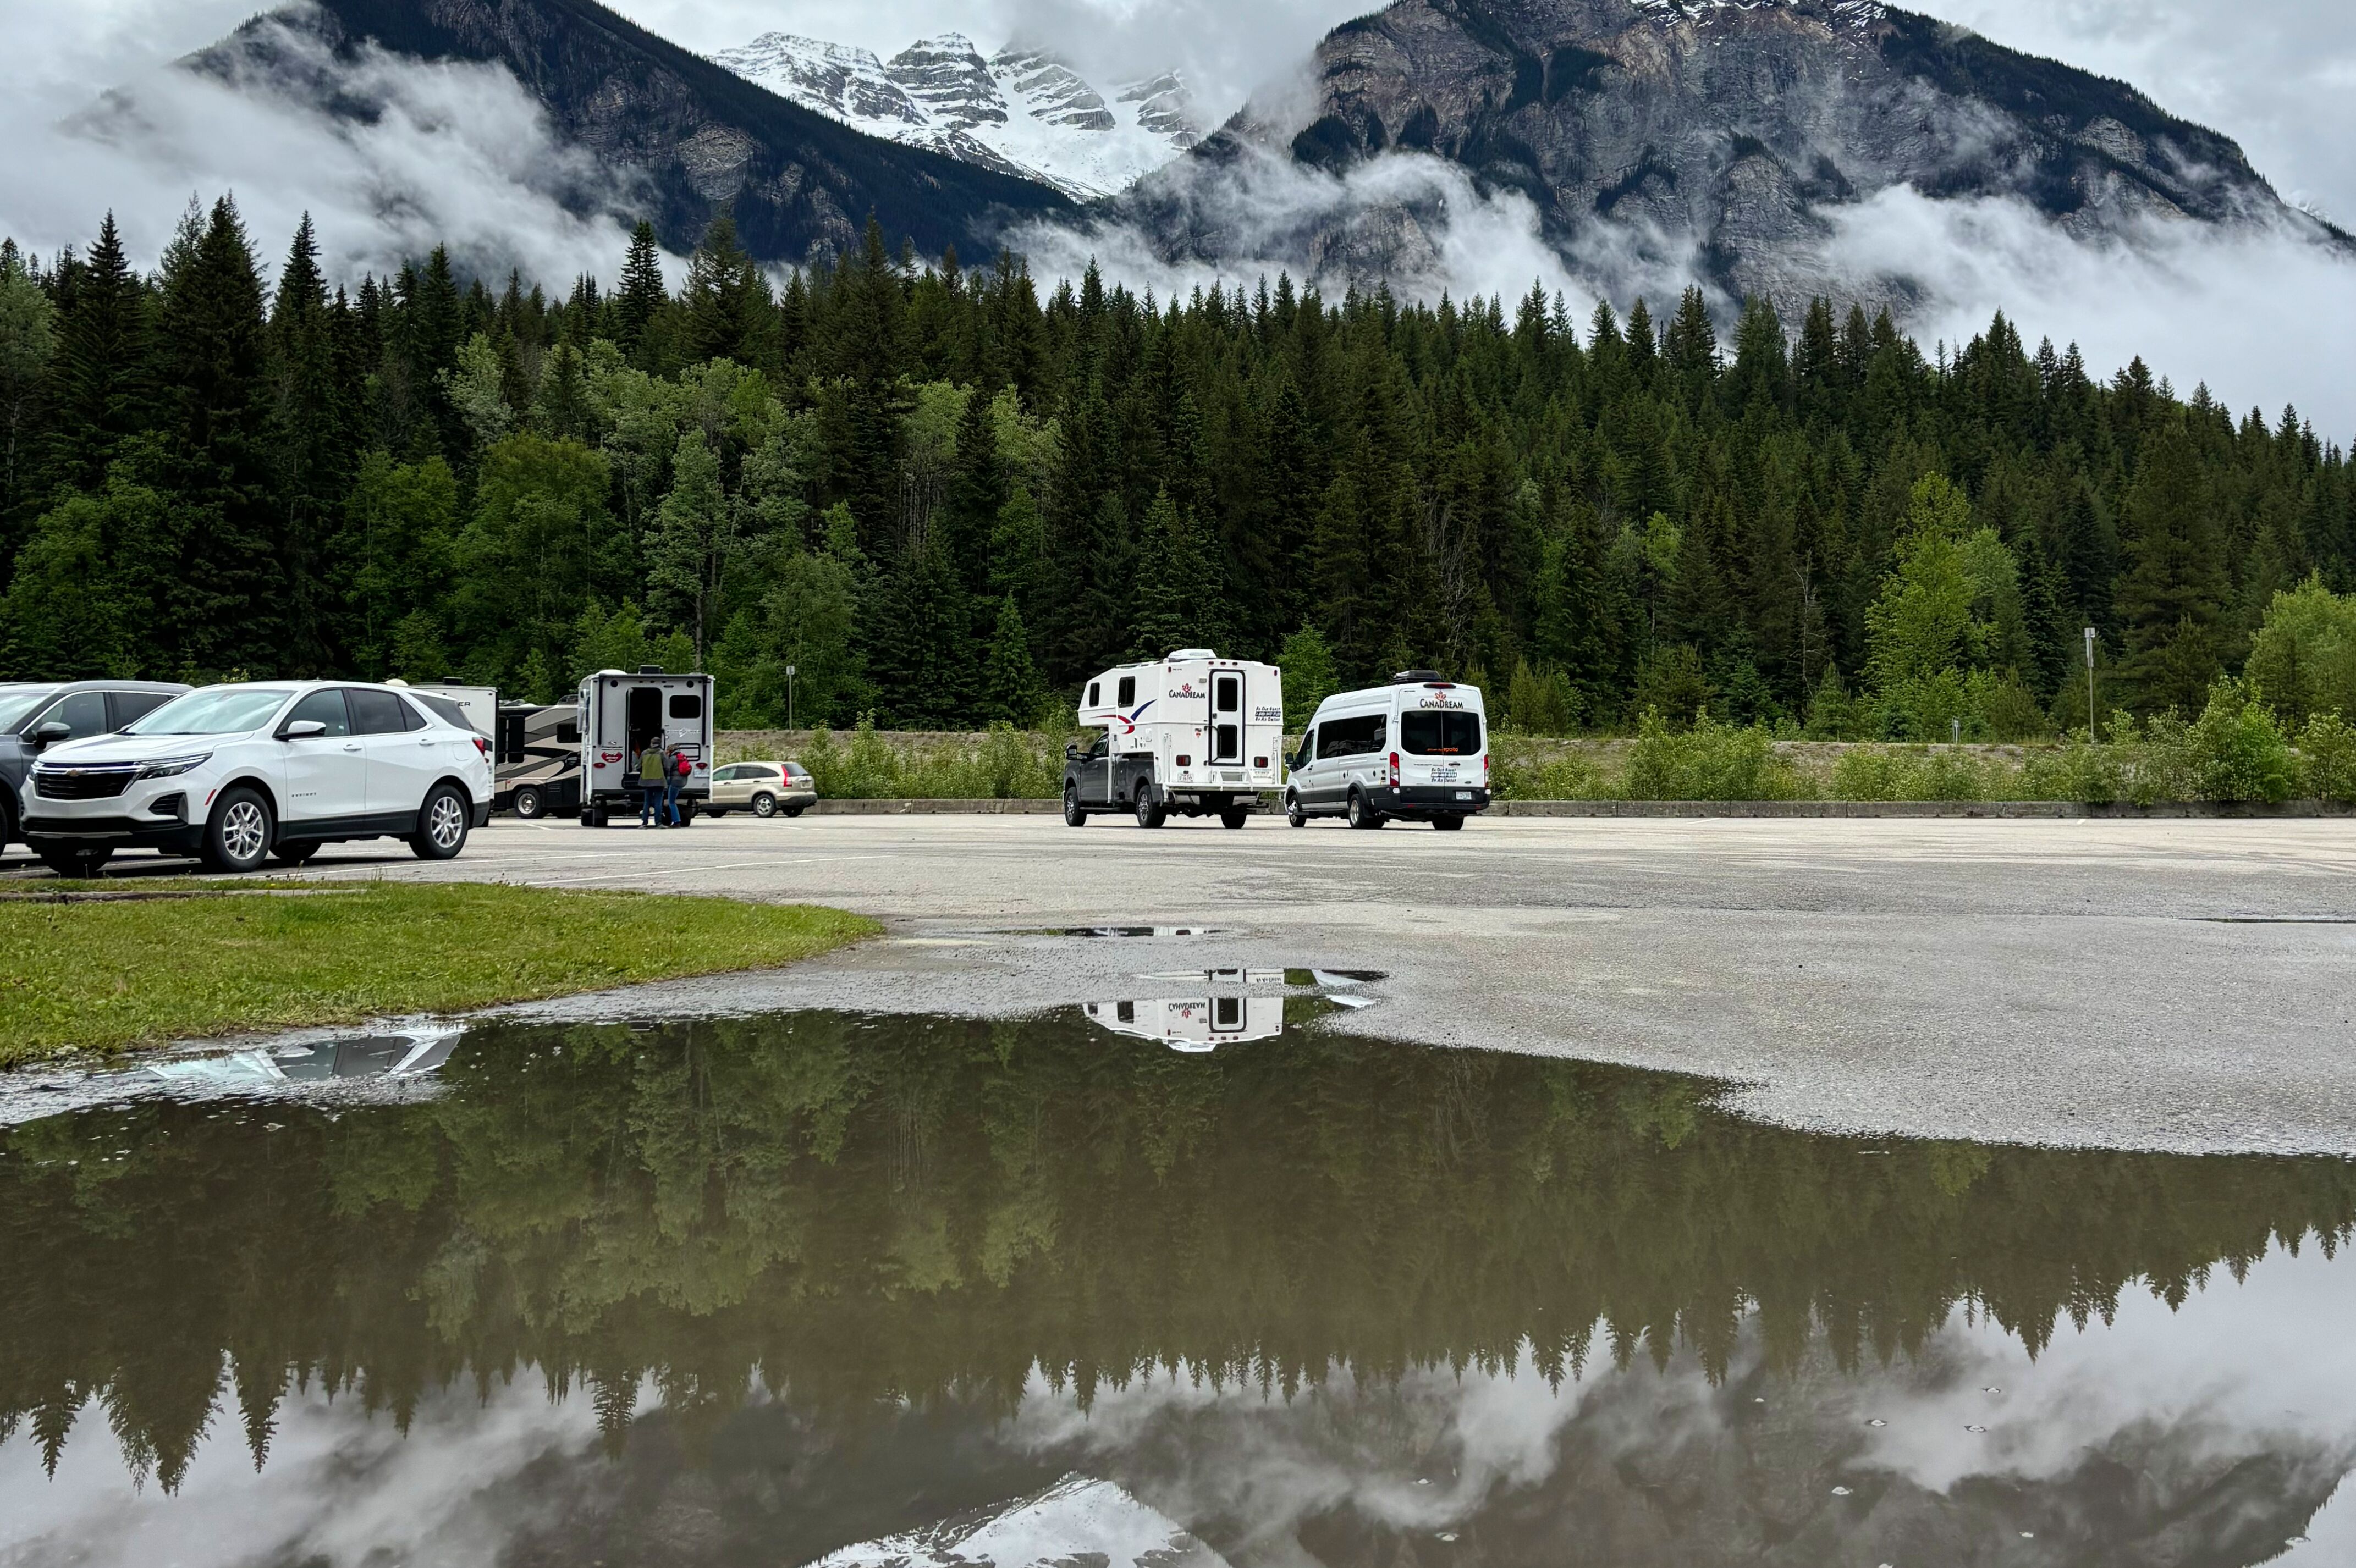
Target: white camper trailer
[[1194, 733], [620, 714]]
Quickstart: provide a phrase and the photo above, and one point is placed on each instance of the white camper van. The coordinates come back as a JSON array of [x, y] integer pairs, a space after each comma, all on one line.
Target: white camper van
[[1417, 749], [620, 714], [1194, 733]]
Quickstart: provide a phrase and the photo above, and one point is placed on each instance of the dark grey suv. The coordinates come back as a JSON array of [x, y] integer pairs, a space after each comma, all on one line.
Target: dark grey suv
[[34, 716]]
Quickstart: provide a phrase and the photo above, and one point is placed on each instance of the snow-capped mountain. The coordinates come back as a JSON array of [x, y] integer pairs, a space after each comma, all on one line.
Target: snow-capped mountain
[[1021, 112]]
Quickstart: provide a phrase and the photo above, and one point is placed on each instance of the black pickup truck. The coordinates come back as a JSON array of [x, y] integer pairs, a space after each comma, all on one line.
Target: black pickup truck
[[1098, 782]]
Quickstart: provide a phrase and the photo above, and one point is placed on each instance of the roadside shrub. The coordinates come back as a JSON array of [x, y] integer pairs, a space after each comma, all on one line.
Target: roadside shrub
[[1007, 764], [2327, 754], [1519, 771], [2076, 770], [1900, 772], [2236, 753], [1710, 761]]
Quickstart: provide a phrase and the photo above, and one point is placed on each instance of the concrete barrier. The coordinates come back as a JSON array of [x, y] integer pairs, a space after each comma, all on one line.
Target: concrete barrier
[[1683, 809], [937, 807]]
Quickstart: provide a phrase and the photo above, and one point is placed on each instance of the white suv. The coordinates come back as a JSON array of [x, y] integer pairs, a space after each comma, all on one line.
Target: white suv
[[239, 774]]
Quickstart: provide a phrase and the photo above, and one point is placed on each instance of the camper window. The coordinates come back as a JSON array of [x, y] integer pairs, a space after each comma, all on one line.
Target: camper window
[[1127, 689], [686, 705], [1096, 694], [1440, 734], [1229, 691]]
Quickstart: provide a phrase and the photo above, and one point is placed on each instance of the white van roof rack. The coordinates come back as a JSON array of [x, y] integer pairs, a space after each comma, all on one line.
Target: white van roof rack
[[1416, 676]]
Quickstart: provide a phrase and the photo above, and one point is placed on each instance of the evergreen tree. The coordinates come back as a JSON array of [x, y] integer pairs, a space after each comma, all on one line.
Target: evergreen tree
[[310, 442], [1176, 591], [638, 302], [2172, 599], [99, 380], [1012, 691], [26, 344]]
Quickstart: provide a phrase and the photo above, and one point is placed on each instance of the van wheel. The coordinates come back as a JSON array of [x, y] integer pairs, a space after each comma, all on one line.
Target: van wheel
[[1361, 814], [238, 837], [764, 805], [1234, 817], [1447, 823], [1292, 812], [441, 825], [1149, 813], [528, 804], [1073, 815]]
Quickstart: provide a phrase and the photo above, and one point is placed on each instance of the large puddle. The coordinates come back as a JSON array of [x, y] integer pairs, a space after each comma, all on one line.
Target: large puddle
[[1105, 1291]]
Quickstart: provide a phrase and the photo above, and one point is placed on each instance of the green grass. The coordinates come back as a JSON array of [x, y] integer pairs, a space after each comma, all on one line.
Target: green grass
[[107, 976]]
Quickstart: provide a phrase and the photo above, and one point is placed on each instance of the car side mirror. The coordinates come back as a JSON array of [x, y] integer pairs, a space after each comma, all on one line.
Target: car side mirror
[[1071, 752], [50, 734], [303, 729]]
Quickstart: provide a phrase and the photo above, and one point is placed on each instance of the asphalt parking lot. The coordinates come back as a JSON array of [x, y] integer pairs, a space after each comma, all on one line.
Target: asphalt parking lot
[[2176, 983]]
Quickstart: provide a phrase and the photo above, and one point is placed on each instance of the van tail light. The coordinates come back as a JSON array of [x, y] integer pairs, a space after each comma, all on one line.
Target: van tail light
[[1484, 770], [1395, 769]]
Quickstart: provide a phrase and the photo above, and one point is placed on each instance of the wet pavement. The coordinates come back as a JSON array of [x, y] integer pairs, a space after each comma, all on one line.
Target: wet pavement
[[2165, 984], [1195, 1272]]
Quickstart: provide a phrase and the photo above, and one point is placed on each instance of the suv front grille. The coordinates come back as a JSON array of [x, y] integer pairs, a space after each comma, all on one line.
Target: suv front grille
[[81, 783]]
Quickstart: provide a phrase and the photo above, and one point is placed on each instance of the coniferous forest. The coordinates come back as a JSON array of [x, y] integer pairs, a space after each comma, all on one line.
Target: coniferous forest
[[945, 500]]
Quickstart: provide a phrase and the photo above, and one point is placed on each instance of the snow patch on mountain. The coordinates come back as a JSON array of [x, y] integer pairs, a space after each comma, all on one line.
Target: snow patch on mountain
[[1022, 111]]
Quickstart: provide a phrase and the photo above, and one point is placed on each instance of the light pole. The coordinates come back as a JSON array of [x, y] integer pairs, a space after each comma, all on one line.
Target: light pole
[[2090, 683], [791, 672]]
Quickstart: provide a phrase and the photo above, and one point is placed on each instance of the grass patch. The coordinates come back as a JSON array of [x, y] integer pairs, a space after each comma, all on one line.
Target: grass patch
[[107, 975]]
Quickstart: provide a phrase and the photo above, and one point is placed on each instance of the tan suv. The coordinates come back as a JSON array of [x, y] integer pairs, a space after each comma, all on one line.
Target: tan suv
[[764, 789]]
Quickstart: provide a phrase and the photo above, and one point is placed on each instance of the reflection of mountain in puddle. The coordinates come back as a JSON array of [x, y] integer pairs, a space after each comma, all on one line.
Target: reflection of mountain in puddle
[[1077, 1521], [1225, 1011]]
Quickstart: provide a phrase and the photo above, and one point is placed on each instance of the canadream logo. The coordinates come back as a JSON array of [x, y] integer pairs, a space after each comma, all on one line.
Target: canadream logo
[[1449, 702]]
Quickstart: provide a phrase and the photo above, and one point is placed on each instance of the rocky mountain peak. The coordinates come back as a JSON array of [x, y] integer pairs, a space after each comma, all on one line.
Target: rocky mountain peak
[[1725, 137]]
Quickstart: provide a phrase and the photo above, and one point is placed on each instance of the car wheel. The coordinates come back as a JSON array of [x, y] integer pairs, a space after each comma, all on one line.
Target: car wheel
[[295, 854], [764, 805], [1234, 817], [78, 865], [1148, 814], [441, 825], [1361, 814], [238, 837], [1447, 823], [1292, 812], [7, 823], [1073, 815], [529, 804]]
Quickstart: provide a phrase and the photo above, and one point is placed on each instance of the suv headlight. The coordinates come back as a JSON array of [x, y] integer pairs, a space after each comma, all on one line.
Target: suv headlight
[[167, 767]]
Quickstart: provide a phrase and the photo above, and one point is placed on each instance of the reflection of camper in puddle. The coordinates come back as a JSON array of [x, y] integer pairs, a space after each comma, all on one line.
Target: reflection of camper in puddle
[[1201, 1022], [1226, 1014], [411, 1054]]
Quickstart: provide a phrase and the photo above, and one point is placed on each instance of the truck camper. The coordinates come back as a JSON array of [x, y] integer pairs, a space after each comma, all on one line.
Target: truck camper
[[620, 714], [1416, 749], [1194, 733]]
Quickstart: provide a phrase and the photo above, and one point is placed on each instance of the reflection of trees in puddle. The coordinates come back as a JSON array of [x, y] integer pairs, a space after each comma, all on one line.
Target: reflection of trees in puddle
[[941, 1215]]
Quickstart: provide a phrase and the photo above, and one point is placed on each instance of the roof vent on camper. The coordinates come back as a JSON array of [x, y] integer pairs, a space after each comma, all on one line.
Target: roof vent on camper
[[651, 669], [1184, 654], [1416, 676]]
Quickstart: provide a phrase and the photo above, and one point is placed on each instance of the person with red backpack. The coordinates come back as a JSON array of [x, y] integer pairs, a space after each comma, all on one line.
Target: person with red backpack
[[675, 779]]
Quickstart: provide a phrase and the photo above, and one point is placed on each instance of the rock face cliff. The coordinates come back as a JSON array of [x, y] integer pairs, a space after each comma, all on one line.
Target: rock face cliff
[[1721, 135], [684, 135]]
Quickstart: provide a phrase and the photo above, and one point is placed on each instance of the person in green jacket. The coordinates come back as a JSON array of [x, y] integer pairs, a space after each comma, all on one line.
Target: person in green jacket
[[651, 785]]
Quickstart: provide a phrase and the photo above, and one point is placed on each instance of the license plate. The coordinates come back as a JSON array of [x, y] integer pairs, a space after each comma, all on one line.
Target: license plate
[[1465, 794]]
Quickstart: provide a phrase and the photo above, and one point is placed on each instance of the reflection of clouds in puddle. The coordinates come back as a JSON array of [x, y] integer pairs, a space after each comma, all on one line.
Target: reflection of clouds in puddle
[[2238, 1372], [2264, 1362], [343, 1484]]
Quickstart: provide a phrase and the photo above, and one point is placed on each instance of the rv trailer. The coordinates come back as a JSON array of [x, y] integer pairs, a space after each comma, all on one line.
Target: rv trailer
[[538, 758], [1194, 733], [620, 714]]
